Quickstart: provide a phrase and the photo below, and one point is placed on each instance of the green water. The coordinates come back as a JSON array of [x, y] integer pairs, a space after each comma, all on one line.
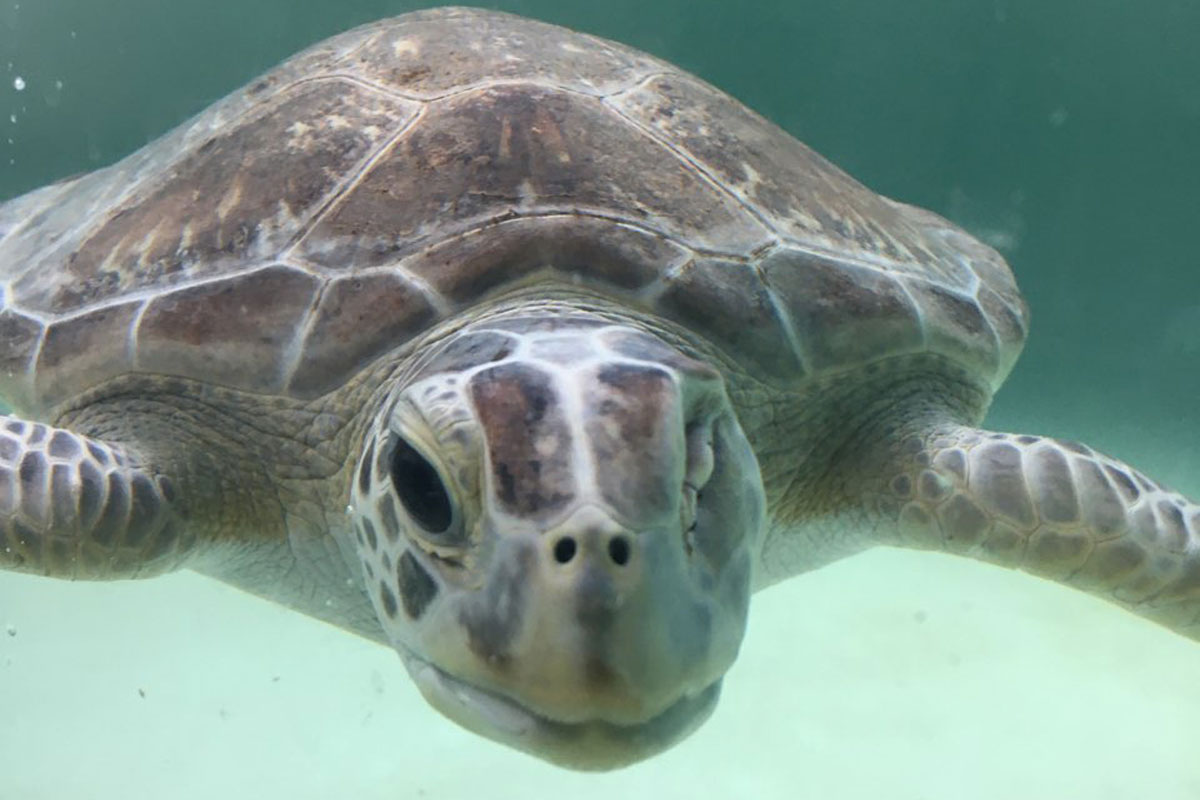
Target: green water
[[1065, 133]]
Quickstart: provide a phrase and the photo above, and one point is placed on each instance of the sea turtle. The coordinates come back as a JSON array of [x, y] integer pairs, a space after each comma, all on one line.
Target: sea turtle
[[532, 356]]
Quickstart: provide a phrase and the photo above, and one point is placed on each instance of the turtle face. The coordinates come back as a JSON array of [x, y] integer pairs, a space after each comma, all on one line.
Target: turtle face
[[556, 528]]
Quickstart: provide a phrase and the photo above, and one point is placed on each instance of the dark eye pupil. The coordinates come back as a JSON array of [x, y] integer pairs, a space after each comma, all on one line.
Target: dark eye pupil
[[420, 489]]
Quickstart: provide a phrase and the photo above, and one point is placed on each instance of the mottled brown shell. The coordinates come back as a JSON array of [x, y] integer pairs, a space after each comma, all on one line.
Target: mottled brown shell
[[395, 174]]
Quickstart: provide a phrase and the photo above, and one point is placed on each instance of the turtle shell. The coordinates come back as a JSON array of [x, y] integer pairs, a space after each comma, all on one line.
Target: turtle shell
[[394, 175]]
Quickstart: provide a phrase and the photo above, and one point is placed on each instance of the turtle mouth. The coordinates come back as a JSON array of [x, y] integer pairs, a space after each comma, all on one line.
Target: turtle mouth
[[589, 745]]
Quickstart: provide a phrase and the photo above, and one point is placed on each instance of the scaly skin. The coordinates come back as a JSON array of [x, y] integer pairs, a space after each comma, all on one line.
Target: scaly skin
[[76, 507], [1053, 508]]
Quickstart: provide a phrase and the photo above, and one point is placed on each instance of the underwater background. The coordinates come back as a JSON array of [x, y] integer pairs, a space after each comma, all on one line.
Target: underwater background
[[1064, 132]]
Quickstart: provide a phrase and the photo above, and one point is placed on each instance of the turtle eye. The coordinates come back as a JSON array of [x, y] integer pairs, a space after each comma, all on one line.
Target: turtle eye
[[420, 488]]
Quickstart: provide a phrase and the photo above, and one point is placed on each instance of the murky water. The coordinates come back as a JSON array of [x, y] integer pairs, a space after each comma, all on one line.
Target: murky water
[[1063, 132]]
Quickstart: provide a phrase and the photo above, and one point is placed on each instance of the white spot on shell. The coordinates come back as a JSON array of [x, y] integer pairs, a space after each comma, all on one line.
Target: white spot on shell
[[185, 236], [406, 47], [752, 176], [547, 446], [19, 83], [144, 247], [300, 136], [230, 200]]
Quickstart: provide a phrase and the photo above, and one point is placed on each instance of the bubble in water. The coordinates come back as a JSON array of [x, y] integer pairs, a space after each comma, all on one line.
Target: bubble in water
[[19, 83], [53, 96]]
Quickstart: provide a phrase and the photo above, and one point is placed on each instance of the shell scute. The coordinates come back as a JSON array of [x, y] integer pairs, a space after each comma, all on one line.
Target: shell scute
[[69, 353], [235, 330], [517, 150], [726, 302], [955, 324], [356, 319], [842, 314], [620, 256], [21, 336], [1010, 321]]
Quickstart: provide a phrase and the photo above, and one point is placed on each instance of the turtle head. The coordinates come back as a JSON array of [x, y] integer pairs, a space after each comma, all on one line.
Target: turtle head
[[556, 524]]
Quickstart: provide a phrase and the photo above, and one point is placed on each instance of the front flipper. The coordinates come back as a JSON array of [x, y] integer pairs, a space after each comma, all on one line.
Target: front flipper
[[75, 507], [1053, 508]]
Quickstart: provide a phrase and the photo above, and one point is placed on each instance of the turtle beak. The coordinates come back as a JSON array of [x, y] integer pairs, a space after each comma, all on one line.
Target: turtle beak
[[591, 746], [615, 650]]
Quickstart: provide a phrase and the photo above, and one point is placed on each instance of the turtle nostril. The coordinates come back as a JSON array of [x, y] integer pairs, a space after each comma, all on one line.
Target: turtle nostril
[[618, 550], [564, 550]]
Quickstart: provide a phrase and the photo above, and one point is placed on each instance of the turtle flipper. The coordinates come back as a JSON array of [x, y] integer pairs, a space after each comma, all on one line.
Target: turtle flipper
[[75, 507], [1053, 508]]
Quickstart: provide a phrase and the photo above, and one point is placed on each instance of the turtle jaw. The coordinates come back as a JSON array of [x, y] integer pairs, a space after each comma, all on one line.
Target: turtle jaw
[[590, 745]]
